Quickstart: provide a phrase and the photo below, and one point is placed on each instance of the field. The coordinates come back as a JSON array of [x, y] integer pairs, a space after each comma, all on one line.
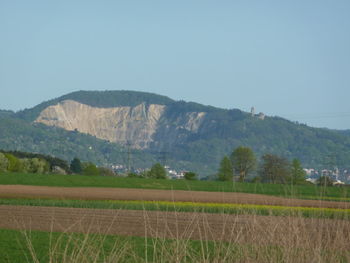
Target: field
[[300, 191], [67, 219]]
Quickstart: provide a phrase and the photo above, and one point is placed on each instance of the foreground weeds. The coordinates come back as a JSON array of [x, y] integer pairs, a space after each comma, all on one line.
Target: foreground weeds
[[231, 238]]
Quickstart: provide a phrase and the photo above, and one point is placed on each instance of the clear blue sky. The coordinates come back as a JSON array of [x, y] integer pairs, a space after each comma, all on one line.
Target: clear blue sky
[[286, 58]]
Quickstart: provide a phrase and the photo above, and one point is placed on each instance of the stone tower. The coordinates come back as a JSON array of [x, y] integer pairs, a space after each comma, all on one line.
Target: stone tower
[[252, 111]]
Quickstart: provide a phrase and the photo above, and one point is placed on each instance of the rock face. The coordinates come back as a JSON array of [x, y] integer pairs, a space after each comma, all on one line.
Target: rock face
[[120, 124]]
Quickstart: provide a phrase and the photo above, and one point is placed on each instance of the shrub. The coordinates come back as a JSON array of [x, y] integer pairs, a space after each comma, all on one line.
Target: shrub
[[91, 169], [190, 176]]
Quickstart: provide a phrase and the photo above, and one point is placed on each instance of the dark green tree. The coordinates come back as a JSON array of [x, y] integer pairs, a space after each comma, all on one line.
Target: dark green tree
[[190, 176], [325, 181], [75, 166], [157, 172], [225, 172], [297, 174], [243, 161], [274, 169]]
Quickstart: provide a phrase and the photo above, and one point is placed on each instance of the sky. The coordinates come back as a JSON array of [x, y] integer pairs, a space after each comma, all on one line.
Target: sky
[[286, 58]]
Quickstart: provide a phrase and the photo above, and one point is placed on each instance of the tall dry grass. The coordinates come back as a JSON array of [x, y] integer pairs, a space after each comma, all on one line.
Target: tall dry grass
[[201, 237]]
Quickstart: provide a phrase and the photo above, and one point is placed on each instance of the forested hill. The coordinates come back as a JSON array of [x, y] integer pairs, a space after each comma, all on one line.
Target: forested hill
[[6, 113], [101, 99], [190, 135]]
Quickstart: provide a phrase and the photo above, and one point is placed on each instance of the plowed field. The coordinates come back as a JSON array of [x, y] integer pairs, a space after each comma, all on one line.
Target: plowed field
[[238, 228], [91, 193]]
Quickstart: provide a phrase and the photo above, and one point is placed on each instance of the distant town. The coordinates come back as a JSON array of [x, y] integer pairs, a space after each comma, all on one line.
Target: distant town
[[338, 176], [172, 173]]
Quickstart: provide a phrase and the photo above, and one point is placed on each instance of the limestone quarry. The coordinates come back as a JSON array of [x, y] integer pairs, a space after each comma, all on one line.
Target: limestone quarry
[[119, 124], [135, 125]]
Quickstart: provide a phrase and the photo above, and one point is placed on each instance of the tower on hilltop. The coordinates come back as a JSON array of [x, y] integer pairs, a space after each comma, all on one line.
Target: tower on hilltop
[[252, 111]]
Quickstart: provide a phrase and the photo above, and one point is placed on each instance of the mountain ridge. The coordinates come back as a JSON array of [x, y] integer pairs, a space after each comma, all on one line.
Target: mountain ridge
[[196, 137]]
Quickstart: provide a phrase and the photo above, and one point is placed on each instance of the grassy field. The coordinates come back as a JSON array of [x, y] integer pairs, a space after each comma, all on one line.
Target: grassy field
[[310, 212], [300, 191], [36, 246]]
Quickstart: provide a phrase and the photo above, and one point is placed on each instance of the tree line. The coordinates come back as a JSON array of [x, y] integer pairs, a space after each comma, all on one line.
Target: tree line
[[242, 164], [23, 162]]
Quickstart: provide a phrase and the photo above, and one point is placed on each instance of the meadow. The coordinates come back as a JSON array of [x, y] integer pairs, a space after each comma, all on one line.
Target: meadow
[[256, 232], [54, 247], [293, 191]]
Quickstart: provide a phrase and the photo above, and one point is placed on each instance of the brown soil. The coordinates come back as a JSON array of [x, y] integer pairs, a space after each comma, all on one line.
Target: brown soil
[[94, 193], [234, 228]]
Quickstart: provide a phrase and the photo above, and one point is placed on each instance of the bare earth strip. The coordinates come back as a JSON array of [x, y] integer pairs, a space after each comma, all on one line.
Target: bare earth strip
[[94, 193], [201, 226]]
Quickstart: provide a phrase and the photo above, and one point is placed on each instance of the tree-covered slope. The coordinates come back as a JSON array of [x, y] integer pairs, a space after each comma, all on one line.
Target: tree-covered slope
[[6, 113], [20, 135], [101, 99], [316, 148]]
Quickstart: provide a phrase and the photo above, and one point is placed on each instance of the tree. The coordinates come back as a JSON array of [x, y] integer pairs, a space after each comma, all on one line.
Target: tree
[[3, 163], [157, 172], [103, 171], [297, 173], [243, 161], [190, 176], [91, 169], [75, 166], [325, 181], [274, 169], [225, 172], [14, 164]]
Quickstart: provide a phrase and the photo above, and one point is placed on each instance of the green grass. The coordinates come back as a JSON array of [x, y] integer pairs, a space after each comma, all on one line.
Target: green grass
[[300, 191], [310, 212], [16, 246]]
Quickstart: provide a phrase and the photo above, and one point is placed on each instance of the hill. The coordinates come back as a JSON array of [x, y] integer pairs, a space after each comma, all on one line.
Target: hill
[[100, 99], [20, 135], [189, 135]]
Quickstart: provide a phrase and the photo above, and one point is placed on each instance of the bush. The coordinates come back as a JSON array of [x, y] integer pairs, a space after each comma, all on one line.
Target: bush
[[133, 175], [103, 171], [190, 176], [91, 170]]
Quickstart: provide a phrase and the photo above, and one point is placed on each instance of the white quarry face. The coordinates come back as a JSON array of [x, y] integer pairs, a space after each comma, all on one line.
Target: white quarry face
[[136, 125], [118, 124]]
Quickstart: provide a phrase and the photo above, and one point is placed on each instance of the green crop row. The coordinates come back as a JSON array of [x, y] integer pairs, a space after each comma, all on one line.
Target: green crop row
[[188, 207]]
